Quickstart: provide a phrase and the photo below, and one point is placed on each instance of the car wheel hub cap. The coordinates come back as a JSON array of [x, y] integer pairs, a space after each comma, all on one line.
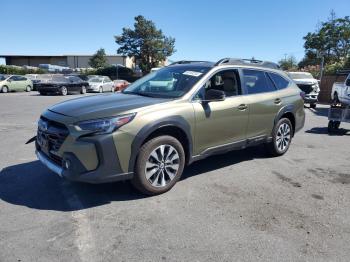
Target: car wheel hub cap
[[283, 137], [162, 165]]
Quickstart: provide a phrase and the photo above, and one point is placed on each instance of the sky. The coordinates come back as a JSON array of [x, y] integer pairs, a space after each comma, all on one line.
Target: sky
[[203, 29]]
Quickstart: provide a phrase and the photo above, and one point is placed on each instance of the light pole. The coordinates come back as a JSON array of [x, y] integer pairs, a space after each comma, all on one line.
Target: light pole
[[117, 68]]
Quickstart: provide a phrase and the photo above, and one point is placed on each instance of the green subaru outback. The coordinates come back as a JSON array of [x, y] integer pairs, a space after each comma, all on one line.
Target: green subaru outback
[[169, 118]]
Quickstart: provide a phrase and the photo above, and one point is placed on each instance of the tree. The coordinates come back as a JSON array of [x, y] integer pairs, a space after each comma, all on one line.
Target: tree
[[98, 59], [331, 40], [288, 63], [147, 44]]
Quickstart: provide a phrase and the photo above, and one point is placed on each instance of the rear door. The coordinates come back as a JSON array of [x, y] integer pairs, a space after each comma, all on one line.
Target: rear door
[[75, 83], [109, 83], [220, 123], [264, 102]]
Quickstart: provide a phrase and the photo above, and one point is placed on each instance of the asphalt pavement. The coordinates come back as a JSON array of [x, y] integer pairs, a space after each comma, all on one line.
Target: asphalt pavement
[[239, 206]]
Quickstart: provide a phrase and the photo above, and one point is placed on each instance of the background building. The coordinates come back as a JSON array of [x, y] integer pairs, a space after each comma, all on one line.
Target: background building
[[71, 61]]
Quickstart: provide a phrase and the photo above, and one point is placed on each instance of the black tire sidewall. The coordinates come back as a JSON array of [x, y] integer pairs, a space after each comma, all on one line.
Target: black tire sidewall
[[140, 181]]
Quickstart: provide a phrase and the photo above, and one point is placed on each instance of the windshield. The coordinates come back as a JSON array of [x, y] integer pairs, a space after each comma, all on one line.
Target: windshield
[[301, 76], [95, 80], [169, 82]]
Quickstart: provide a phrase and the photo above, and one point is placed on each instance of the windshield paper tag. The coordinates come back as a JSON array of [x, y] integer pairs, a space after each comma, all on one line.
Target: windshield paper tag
[[192, 73]]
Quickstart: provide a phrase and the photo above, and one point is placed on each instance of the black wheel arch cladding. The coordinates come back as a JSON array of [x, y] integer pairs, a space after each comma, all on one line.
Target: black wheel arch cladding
[[147, 130]]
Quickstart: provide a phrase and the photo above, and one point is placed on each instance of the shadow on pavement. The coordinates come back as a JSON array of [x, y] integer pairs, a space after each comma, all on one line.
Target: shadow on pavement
[[32, 185], [324, 131]]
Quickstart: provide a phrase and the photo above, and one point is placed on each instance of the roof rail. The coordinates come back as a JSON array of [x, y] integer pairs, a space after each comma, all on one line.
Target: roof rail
[[252, 62], [181, 62]]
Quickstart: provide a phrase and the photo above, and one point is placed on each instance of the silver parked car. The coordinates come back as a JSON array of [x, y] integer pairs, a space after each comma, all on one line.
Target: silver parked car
[[101, 84]]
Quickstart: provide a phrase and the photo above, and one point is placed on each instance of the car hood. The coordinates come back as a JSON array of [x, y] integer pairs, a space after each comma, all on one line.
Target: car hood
[[99, 106], [305, 81]]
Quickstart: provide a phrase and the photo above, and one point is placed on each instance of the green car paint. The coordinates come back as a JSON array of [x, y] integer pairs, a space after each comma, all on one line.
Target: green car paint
[[203, 126], [15, 83]]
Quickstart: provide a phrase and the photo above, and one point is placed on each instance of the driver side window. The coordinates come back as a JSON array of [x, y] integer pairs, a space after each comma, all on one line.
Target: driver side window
[[227, 81]]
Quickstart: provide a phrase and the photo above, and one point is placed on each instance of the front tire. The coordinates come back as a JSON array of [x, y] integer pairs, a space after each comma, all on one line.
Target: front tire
[[100, 90], [313, 106], [5, 89], [281, 137], [159, 165]]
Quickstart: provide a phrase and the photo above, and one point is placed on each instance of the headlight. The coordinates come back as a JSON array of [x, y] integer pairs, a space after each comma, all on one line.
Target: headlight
[[105, 125], [316, 88]]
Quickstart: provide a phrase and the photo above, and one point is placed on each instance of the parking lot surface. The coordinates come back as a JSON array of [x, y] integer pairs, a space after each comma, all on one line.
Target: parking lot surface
[[240, 206]]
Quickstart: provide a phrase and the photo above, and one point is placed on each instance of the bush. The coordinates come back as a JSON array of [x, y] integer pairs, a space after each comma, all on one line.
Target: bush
[[111, 71], [17, 70], [332, 69]]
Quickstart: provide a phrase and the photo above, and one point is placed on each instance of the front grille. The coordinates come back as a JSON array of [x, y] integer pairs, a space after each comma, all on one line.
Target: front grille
[[306, 88], [50, 138]]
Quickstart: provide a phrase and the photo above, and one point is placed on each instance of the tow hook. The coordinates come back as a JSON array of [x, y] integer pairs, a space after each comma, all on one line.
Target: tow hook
[[31, 140]]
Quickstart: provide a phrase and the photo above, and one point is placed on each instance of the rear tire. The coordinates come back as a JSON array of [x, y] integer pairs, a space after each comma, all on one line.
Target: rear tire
[[159, 165], [281, 137], [313, 106], [63, 91], [28, 89], [5, 89]]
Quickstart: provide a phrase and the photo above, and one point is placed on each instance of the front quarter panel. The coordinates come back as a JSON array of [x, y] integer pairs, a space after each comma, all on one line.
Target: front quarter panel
[[129, 138]]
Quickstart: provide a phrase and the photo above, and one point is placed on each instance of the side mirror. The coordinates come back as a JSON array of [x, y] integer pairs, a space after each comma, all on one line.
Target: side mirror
[[214, 95]]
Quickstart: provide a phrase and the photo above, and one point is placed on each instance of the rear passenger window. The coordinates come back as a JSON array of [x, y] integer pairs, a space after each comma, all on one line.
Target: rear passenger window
[[256, 82], [279, 81]]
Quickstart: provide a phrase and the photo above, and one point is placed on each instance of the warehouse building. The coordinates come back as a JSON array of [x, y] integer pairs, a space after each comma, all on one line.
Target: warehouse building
[[71, 61]]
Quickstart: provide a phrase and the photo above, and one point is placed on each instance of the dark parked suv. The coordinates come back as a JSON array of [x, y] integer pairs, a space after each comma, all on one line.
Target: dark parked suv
[[169, 118]]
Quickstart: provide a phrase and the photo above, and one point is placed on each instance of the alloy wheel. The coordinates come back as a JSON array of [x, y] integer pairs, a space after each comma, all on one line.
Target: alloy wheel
[[283, 137], [64, 91], [162, 165]]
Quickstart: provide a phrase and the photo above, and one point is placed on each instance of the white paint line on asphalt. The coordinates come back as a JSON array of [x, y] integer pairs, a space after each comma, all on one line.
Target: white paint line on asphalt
[[83, 234]]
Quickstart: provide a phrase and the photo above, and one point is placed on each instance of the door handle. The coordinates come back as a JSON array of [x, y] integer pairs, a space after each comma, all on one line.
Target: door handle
[[242, 107], [277, 101]]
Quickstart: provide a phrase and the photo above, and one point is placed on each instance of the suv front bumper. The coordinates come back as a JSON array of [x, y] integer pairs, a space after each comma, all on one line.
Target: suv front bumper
[[311, 98], [70, 167]]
